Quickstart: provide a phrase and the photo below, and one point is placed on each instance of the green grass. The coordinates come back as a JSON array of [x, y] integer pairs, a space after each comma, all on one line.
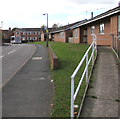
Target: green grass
[[69, 56]]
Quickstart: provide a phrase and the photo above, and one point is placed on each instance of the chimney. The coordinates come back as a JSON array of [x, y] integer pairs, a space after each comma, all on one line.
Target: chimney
[[9, 28], [91, 15]]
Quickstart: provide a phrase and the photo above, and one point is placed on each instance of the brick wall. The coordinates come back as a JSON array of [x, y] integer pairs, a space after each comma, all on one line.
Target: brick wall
[[111, 27], [42, 37], [114, 24], [60, 37], [114, 30], [102, 39]]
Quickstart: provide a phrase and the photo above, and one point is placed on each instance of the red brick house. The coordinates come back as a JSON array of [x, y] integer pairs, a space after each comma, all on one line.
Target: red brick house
[[104, 26], [60, 36], [65, 33], [28, 34]]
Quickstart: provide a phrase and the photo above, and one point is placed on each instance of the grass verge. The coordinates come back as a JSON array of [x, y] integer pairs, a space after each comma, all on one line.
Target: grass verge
[[69, 56]]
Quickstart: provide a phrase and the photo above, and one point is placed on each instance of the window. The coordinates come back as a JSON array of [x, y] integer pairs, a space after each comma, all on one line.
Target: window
[[17, 33], [35, 38], [62, 35], [58, 35], [39, 33], [35, 33], [92, 29], [28, 33], [76, 33], [28, 38], [102, 28], [24, 33]]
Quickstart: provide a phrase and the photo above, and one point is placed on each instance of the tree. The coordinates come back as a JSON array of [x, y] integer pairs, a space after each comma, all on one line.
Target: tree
[[55, 26], [44, 28], [14, 29]]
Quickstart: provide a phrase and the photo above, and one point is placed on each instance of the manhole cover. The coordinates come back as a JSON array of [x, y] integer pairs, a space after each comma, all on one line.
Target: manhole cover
[[37, 58]]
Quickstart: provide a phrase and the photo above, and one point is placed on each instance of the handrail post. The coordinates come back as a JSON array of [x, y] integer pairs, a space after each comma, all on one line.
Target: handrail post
[[87, 69], [93, 53], [72, 98]]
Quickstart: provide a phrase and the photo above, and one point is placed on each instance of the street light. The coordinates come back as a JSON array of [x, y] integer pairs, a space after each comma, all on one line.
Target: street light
[[47, 30]]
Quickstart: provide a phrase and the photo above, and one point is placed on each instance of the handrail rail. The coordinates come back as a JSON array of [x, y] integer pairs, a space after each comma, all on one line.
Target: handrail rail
[[78, 67], [93, 46]]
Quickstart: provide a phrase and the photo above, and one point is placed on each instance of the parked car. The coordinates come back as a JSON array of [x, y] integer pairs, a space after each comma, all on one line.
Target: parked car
[[15, 40]]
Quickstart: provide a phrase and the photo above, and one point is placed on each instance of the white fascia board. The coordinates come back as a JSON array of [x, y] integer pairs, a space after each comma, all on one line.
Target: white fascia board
[[96, 19]]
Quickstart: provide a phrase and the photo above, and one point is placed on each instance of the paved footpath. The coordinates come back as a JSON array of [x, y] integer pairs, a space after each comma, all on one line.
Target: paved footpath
[[102, 98], [29, 93]]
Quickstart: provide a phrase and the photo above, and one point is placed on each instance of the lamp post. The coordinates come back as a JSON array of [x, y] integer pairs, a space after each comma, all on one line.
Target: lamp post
[[47, 30]]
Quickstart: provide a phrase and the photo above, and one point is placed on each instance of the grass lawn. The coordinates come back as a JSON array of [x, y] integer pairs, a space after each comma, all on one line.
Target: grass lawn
[[69, 56]]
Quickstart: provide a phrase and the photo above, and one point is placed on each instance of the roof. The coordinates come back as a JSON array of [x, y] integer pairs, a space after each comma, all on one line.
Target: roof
[[101, 16], [33, 29], [30, 29], [84, 22], [67, 27]]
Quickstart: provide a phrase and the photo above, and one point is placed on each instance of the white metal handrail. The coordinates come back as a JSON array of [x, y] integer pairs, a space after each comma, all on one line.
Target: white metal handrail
[[93, 46]]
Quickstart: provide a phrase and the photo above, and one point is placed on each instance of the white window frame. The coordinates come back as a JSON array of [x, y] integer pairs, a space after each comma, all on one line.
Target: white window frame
[[119, 23], [17, 32], [102, 28], [34, 38], [76, 33], [93, 29], [28, 38], [29, 33], [62, 35], [58, 35], [35, 33], [24, 33]]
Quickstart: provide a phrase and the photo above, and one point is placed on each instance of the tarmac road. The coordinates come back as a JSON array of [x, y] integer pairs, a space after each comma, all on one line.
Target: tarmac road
[[13, 57], [30, 91]]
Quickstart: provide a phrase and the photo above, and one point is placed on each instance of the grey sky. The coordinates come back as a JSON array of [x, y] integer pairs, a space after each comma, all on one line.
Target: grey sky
[[28, 13]]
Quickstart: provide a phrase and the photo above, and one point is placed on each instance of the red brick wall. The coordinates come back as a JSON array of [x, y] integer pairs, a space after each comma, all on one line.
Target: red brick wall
[[111, 27], [58, 37], [42, 37], [102, 39], [114, 24], [114, 30]]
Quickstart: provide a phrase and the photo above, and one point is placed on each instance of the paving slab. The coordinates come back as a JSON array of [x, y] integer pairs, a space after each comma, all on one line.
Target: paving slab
[[103, 96]]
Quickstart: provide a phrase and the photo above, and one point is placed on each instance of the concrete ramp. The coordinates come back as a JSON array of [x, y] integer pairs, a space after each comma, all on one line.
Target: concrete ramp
[[102, 98]]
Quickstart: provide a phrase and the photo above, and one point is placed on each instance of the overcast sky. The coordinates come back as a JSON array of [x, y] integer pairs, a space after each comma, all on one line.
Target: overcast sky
[[29, 13]]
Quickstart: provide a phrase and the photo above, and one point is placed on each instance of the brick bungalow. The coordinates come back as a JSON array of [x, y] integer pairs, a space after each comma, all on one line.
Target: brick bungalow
[[104, 26], [60, 35], [65, 33], [55, 34]]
